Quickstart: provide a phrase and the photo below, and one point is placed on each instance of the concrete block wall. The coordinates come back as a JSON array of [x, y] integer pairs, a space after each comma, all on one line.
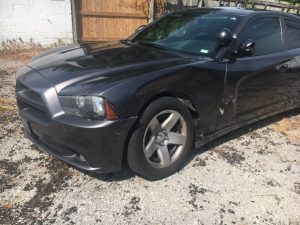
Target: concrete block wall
[[44, 22]]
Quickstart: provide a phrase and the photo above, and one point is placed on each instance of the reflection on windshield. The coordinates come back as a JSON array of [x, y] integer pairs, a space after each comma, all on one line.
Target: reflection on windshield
[[191, 32]]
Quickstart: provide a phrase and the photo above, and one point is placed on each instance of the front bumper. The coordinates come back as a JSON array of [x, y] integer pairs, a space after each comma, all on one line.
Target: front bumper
[[87, 144], [93, 148]]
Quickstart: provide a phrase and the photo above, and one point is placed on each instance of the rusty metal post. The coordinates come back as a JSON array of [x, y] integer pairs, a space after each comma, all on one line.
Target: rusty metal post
[[151, 11], [74, 22]]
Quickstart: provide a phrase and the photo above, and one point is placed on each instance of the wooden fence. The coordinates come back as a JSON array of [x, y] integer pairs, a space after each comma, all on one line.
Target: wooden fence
[[106, 20], [109, 20]]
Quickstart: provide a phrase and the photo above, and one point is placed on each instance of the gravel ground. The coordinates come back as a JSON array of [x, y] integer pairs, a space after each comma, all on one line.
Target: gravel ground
[[251, 176]]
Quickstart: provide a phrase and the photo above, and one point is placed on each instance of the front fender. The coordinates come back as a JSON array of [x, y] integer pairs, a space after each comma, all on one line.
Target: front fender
[[198, 84]]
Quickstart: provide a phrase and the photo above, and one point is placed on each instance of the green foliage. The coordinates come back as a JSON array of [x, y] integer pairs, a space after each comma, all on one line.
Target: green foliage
[[293, 1]]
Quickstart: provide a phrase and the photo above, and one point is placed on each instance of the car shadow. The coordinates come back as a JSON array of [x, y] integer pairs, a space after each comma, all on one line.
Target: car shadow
[[241, 131], [126, 173]]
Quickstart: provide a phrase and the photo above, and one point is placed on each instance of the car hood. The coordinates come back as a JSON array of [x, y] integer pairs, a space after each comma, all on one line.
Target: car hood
[[109, 62]]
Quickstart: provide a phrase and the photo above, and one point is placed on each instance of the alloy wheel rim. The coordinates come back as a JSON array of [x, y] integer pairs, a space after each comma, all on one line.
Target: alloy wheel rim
[[165, 138]]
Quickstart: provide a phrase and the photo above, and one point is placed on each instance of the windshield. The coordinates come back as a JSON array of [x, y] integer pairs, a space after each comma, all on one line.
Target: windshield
[[192, 32]]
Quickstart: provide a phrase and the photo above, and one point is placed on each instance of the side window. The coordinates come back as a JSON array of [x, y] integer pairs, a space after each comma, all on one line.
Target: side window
[[292, 34], [266, 33]]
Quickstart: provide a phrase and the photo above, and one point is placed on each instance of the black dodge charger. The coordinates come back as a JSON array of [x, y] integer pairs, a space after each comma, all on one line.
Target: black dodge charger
[[176, 83]]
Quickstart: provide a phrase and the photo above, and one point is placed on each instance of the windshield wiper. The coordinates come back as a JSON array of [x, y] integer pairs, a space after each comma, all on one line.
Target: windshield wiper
[[150, 44]]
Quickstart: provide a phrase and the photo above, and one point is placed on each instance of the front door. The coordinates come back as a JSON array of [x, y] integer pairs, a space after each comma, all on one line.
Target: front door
[[255, 85]]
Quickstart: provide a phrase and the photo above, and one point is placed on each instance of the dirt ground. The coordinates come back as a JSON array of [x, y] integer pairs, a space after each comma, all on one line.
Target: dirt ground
[[251, 176]]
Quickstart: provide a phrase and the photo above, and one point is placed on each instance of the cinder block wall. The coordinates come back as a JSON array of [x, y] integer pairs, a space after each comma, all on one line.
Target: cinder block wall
[[44, 22]]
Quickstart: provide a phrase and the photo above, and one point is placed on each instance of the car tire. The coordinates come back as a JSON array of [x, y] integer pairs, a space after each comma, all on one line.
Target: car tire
[[165, 128]]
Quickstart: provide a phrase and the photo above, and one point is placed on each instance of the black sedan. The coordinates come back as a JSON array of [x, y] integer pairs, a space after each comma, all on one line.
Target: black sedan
[[177, 83]]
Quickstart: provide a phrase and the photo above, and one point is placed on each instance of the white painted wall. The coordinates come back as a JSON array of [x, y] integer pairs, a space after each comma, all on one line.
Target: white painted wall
[[43, 21]]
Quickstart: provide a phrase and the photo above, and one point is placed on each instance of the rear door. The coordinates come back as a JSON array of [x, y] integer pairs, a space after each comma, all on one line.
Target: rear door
[[256, 85], [292, 37]]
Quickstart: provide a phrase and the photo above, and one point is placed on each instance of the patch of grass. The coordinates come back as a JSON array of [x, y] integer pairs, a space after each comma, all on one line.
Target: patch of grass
[[7, 104], [13, 59], [21, 54], [19, 49], [9, 120], [290, 127]]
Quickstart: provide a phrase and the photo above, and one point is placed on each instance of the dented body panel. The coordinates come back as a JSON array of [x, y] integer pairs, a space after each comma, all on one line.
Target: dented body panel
[[222, 93]]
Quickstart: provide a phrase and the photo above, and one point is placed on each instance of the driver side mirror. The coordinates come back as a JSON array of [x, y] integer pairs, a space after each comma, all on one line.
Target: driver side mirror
[[247, 48]]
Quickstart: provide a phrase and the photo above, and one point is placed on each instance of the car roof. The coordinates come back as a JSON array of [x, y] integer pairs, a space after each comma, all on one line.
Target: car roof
[[240, 11]]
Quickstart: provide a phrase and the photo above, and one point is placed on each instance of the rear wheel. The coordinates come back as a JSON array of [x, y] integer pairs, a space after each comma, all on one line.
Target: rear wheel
[[158, 147]]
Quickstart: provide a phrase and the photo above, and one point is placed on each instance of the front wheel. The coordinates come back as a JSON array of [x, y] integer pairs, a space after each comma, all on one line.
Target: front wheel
[[158, 147]]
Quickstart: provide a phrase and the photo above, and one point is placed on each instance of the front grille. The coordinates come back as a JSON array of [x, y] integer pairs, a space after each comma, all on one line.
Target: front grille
[[32, 100], [31, 105], [28, 98]]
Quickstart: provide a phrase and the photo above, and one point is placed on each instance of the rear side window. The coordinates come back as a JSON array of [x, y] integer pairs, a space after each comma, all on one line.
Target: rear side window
[[292, 34], [266, 32]]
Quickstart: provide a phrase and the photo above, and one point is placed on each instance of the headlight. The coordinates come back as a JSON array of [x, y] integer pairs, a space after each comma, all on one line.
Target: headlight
[[92, 107]]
